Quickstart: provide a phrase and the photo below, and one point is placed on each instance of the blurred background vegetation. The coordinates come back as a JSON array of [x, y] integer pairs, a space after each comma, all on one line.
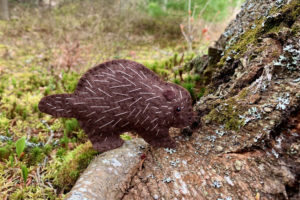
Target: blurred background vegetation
[[45, 47]]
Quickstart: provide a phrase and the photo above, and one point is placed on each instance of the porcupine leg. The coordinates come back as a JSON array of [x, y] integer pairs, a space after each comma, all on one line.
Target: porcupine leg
[[105, 141], [102, 140], [159, 138]]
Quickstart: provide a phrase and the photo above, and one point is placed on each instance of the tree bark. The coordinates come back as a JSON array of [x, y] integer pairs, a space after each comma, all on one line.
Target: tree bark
[[247, 144]]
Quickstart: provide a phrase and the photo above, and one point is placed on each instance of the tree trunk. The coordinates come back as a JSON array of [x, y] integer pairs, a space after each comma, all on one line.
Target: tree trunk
[[247, 145], [4, 13]]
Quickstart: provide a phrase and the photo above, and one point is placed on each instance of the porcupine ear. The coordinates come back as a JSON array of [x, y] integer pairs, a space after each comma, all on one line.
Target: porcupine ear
[[169, 95]]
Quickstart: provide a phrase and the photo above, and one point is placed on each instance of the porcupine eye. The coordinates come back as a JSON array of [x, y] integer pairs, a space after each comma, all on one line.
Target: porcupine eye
[[178, 109]]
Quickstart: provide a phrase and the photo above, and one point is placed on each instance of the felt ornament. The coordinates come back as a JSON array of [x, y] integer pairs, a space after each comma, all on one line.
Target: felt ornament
[[120, 96]]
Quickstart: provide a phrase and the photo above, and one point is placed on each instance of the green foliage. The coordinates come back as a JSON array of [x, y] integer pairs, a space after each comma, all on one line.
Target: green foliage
[[201, 93], [190, 88], [47, 149], [155, 8], [176, 81], [24, 173], [188, 79], [61, 152], [197, 78], [11, 161], [85, 158], [3, 153], [35, 156], [64, 140], [125, 137], [71, 125], [73, 164], [20, 145]]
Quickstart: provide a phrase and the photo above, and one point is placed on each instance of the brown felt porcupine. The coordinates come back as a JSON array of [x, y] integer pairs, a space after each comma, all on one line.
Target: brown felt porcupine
[[120, 96]]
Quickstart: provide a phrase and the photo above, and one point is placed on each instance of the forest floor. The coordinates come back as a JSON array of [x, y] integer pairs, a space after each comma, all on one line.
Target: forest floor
[[46, 52]]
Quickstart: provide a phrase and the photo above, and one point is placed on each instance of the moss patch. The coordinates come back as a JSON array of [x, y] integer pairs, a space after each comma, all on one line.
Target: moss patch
[[227, 113]]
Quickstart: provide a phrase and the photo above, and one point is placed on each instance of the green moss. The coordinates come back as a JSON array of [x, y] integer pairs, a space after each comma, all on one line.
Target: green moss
[[74, 163], [243, 94], [71, 125], [228, 114], [35, 156], [251, 36], [125, 137]]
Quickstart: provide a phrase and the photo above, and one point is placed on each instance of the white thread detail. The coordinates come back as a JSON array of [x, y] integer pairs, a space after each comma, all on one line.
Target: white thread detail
[[49, 104], [137, 114], [91, 114], [98, 75], [180, 95], [60, 110], [100, 119], [114, 79], [105, 139], [164, 122], [135, 101], [121, 65], [125, 124], [158, 112], [82, 111], [99, 106], [152, 98], [135, 72], [154, 127], [168, 113], [120, 86], [143, 74], [102, 81], [124, 73], [104, 92], [157, 132], [172, 88], [145, 120], [131, 113], [89, 83], [121, 113], [90, 90], [146, 108], [136, 122], [134, 90], [117, 122], [129, 80], [146, 93], [68, 111], [120, 94], [155, 107], [154, 120], [106, 124], [147, 128], [158, 87], [95, 98], [79, 103], [108, 74], [58, 97], [53, 108], [145, 84], [111, 109], [111, 70], [58, 101], [124, 100]]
